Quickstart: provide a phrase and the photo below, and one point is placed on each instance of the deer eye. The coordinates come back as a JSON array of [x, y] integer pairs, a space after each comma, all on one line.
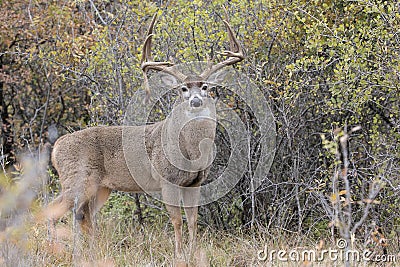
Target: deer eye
[[204, 87], [184, 88]]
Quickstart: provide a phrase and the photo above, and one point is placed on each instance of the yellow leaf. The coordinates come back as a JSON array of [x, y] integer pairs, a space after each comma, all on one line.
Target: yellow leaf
[[333, 198]]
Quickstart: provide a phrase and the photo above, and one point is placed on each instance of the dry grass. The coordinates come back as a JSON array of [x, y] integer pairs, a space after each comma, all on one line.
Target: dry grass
[[129, 244], [118, 243]]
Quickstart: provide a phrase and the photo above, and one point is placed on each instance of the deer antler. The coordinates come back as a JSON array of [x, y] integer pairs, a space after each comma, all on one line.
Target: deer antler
[[235, 54], [148, 63]]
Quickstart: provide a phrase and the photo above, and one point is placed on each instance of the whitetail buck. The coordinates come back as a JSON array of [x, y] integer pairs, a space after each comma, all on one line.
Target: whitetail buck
[[93, 162]]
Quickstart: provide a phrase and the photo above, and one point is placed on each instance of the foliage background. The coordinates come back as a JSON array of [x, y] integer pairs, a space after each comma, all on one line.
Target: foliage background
[[325, 66]]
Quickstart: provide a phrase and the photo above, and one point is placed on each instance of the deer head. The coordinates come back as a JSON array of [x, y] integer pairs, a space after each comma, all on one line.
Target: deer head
[[192, 88]]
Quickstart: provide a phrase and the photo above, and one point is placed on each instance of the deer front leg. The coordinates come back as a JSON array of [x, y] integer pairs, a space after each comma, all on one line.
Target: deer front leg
[[191, 214], [190, 199], [171, 196], [176, 219]]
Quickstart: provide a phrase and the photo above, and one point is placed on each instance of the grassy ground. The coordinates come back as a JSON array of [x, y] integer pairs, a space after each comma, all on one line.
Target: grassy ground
[[121, 241], [126, 243], [130, 244]]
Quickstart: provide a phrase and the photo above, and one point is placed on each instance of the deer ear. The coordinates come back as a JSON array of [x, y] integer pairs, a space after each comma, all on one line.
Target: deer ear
[[217, 77], [169, 80]]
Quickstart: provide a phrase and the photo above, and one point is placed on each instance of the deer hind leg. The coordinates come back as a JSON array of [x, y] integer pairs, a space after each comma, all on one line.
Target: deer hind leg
[[84, 217], [101, 197], [95, 205], [86, 214], [58, 207], [55, 210]]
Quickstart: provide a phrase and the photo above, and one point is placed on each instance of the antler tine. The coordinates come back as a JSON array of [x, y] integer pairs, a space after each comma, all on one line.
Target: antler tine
[[230, 32], [146, 55], [148, 63], [235, 54], [147, 59]]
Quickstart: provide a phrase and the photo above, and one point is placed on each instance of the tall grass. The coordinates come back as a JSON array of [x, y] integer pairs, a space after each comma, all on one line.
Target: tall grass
[[131, 244]]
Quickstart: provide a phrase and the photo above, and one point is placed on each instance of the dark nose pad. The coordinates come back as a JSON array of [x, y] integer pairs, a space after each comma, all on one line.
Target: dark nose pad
[[196, 102]]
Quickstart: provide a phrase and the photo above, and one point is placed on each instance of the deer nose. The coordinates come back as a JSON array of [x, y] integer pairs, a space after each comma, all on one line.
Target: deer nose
[[196, 102]]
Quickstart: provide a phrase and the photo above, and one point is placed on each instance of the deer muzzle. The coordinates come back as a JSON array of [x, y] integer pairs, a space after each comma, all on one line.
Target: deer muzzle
[[196, 102]]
